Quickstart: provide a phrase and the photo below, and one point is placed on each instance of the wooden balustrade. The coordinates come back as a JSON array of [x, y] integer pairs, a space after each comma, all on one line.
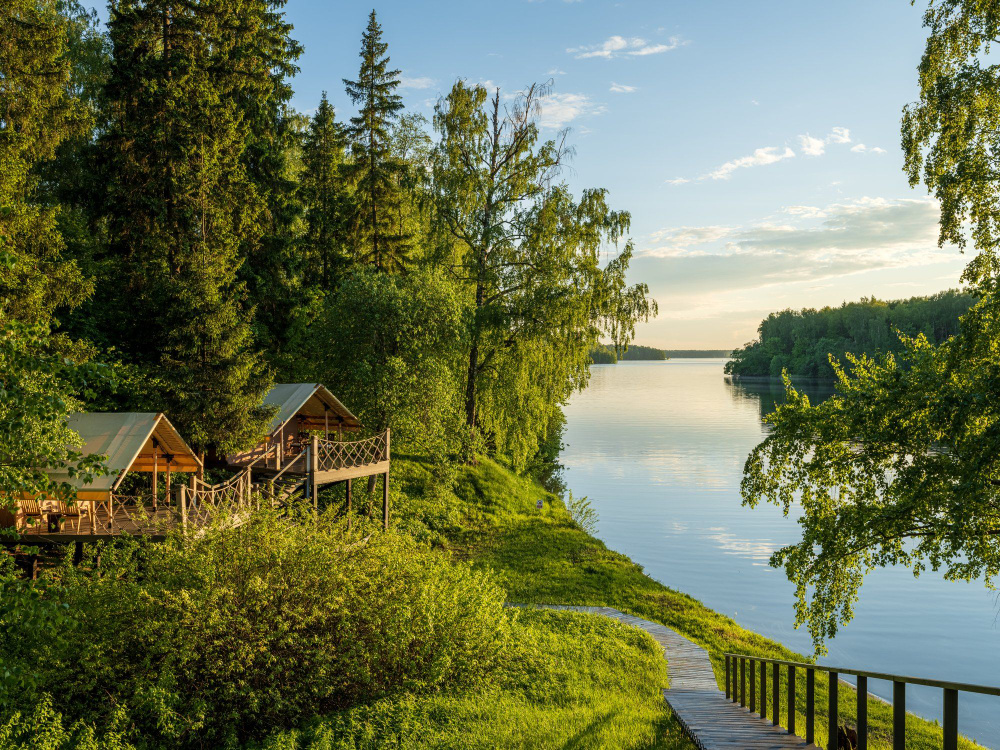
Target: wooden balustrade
[[740, 667]]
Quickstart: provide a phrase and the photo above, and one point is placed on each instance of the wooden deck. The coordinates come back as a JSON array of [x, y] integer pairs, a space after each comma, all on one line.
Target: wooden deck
[[712, 721], [137, 521]]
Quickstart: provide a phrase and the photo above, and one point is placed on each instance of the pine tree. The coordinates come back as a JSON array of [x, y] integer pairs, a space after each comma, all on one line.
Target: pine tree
[[39, 111], [326, 196], [374, 170], [180, 204]]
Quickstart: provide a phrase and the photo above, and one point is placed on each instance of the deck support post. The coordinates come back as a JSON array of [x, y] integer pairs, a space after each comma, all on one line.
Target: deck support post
[[385, 501], [313, 470], [348, 503], [77, 553]]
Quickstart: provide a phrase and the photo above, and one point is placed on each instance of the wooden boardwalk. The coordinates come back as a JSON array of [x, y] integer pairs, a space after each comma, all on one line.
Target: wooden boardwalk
[[713, 722]]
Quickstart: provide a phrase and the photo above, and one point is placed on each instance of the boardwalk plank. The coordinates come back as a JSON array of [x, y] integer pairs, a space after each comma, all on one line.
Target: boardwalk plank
[[713, 722]]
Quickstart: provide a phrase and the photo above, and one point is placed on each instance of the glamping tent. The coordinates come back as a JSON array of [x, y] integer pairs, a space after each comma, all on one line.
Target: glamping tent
[[132, 442], [301, 408]]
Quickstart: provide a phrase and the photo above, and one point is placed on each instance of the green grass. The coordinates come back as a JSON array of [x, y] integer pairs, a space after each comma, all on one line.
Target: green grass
[[542, 557], [577, 682]]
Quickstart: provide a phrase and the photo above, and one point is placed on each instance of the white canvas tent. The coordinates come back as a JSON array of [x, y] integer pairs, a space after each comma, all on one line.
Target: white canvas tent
[[132, 441]]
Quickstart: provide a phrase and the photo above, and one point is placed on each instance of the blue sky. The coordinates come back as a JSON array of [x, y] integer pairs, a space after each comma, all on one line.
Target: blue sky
[[756, 144]]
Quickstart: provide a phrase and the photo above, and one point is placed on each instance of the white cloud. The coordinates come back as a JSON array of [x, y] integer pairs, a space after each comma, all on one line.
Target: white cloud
[[839, 135], [417, 82], [556, 72], [862, 148], [815, 243], [621, 88], [760, 157], [558, 110], [617, 46], [812, 146], [678, 181]]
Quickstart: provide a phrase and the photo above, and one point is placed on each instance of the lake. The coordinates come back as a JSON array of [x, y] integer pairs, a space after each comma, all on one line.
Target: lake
[[659, 448]]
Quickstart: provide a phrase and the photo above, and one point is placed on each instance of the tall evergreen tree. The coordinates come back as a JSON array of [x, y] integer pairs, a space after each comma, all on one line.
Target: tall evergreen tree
[[374, 169], [180, 205], [38, 111], [326, 196]]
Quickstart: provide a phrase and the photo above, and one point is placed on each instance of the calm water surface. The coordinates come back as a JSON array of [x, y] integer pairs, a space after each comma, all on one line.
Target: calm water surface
[[659, 447]]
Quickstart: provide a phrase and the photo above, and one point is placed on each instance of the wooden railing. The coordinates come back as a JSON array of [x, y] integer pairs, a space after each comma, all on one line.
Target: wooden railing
[[334, 455], [200, 502], [739, 667]]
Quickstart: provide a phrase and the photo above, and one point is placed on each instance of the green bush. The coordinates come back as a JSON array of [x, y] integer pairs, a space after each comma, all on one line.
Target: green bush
[[215, 640]]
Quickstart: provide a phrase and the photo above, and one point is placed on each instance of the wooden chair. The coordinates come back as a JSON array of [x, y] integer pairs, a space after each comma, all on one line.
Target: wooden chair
[[70, 512], [29, 509]]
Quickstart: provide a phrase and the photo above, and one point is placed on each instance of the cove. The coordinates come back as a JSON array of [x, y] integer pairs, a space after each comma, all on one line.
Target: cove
[[659, 448]]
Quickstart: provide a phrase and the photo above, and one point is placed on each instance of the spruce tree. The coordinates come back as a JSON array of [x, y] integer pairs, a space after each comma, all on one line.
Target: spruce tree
[[374, 170], [180, 204], [326, 196], [39, 112]]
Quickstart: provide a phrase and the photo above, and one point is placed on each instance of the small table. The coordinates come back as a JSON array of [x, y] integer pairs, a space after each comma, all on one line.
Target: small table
[[55, 522]]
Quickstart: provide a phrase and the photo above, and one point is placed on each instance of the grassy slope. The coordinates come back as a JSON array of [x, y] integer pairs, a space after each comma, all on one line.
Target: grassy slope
[[578, 682], [542, 557]]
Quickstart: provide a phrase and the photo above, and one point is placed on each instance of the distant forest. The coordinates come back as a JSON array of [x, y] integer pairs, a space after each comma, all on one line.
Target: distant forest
[[696, 353], [605, 355], [801, 341]]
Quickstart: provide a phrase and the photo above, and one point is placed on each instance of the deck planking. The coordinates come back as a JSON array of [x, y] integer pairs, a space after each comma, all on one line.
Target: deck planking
[[712, 721]]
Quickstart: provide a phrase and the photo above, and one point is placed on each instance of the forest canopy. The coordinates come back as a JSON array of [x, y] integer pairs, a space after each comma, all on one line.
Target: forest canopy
[[801, 342], [177, 237]]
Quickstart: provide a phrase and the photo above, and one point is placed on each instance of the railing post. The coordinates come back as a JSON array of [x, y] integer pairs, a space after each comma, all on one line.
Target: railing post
[[184, 508], [833, 710], [763, 690], [863, 713], [791, 699], [753, 685], [387, 436], [726, 657], [898, 715], [775, 694], [950, 719], [810, 705], [743, 681]]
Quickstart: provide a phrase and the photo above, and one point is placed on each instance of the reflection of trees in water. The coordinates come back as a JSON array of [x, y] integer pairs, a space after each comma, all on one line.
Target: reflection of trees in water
[[767, 395]]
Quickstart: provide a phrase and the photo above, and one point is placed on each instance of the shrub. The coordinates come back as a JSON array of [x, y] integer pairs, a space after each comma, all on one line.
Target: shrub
[[215, 640]]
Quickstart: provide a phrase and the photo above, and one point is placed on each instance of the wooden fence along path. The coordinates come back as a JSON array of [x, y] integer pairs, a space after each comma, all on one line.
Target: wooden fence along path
[[712, 721]]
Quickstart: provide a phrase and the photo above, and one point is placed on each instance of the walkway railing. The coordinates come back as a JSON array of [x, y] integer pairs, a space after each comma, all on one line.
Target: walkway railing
[[201, 501], [739, 667]]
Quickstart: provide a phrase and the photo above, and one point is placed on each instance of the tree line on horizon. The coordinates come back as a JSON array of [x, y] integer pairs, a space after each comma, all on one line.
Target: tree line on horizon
[[176, 237], [802, 342]]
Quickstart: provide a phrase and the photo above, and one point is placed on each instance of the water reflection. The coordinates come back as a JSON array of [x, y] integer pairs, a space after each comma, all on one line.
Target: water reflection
[[769, 394], [659, 449]]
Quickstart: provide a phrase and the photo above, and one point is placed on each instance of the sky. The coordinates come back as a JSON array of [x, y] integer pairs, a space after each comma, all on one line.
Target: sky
[[755, 143]]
